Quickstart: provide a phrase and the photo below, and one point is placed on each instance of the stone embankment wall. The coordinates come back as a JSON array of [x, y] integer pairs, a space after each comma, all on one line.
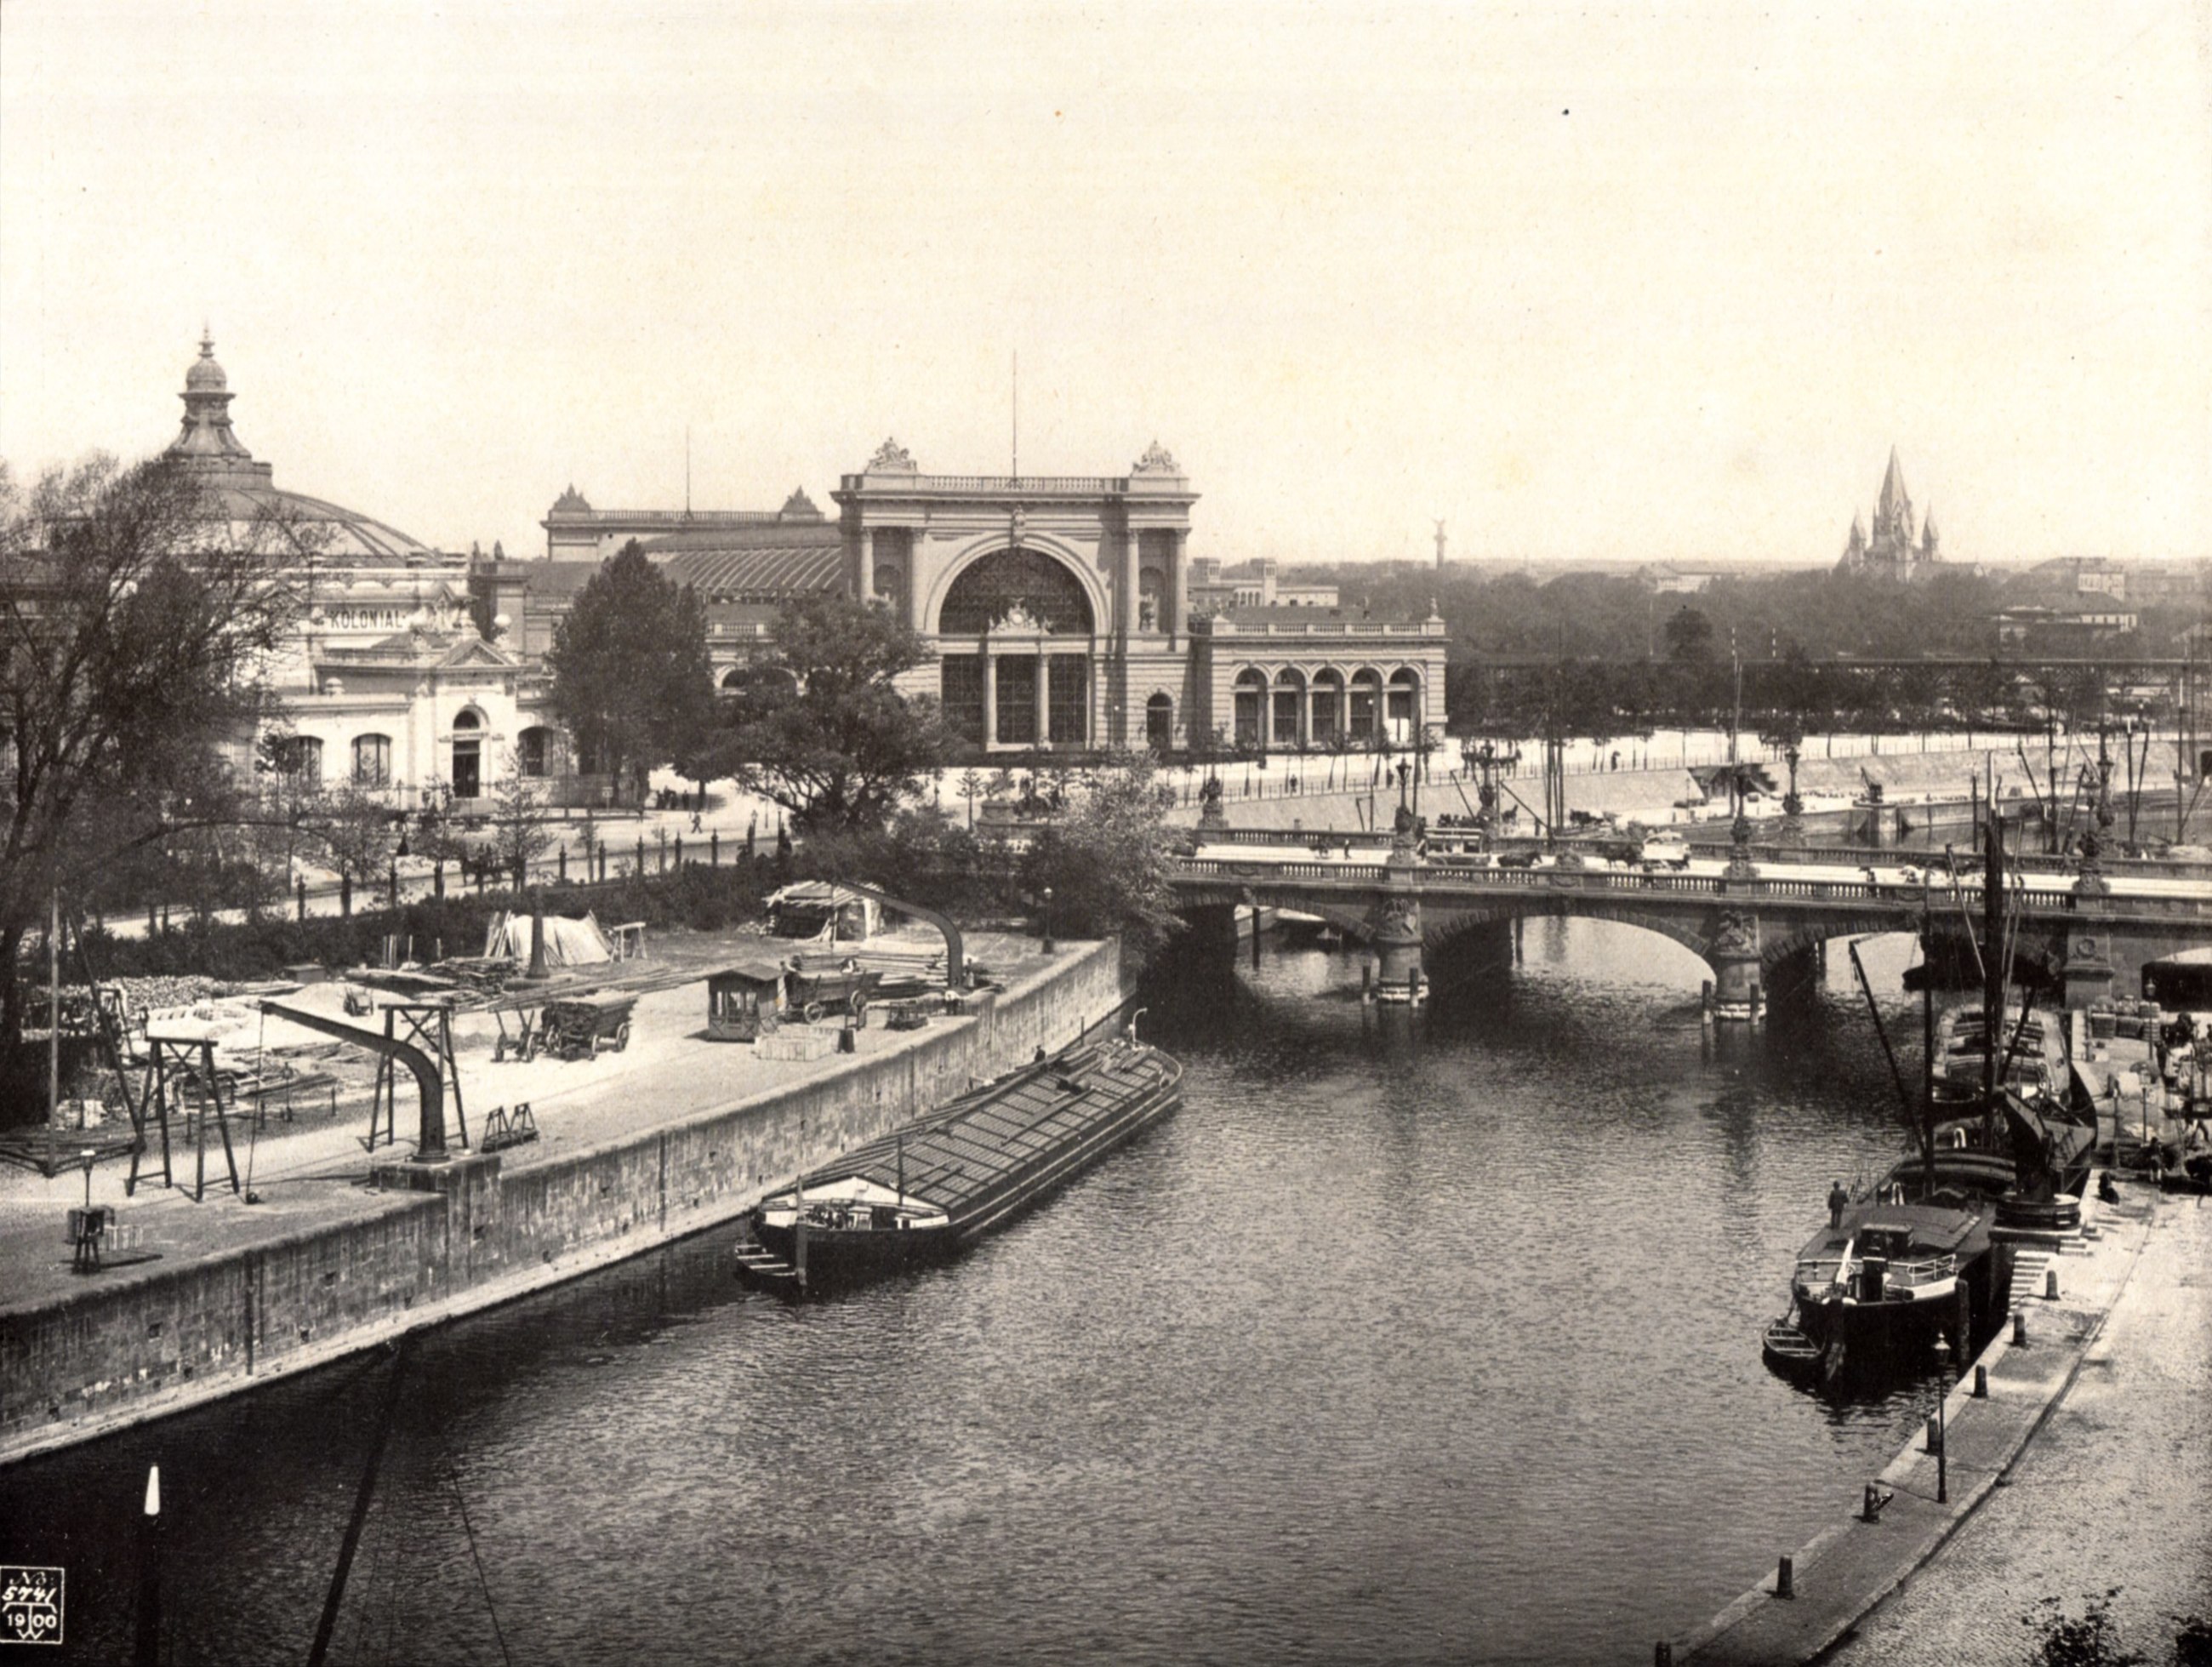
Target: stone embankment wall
[[173, 1335]]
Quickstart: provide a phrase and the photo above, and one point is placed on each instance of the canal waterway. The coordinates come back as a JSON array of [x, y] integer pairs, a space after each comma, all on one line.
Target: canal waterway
[[1390, 1347]]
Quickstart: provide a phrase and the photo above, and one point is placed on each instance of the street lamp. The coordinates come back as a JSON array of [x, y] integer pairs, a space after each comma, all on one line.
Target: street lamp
[[1048, 945], [1942, 1400]]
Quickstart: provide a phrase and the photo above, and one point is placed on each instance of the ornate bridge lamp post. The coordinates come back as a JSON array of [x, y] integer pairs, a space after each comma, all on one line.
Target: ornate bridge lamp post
[[1484, 762], [1740, 865], [2092, 882], [1793, 805]]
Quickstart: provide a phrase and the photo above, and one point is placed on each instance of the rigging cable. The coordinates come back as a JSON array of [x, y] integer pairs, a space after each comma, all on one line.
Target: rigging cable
[[453, 1474], [351, 1541]]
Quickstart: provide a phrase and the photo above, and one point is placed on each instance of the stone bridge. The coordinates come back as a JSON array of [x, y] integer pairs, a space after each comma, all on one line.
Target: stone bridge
[[1746, 921]]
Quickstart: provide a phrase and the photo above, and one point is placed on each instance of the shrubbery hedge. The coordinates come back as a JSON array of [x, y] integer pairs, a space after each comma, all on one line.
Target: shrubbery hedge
[[694, 897]]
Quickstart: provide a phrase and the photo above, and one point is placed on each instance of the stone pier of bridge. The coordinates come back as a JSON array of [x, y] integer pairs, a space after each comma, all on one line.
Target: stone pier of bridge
[[1760, 925]]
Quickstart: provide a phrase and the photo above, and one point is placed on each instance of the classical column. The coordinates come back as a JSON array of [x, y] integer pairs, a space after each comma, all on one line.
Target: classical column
[[1305, 715], [1125, 587], [914, 580], [860, 571], [990, 697], [1176, 604], [1043, 695]]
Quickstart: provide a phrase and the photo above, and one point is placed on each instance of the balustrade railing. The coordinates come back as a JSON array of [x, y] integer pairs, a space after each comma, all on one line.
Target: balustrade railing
[[1090, 485], [1445, 879]]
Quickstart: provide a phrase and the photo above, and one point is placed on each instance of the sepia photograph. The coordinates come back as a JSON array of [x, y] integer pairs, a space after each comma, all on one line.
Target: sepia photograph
[[1019, 833]]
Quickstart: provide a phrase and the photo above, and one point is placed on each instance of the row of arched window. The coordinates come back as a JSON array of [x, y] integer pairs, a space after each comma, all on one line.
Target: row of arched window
[[1296, 708], [300, 757]]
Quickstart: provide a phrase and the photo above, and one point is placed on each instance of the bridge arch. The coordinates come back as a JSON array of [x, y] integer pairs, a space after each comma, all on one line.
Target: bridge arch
[[1441, 924]]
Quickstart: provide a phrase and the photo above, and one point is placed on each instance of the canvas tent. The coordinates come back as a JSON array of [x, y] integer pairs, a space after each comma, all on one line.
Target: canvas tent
[[567, 943], [817, 912]]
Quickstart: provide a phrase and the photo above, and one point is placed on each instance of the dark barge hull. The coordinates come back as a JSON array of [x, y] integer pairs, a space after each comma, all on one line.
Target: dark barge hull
[[842, 1256]]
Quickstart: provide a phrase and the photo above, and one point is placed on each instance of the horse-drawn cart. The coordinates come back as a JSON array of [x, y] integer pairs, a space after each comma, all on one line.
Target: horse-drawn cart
[[579, 1026], [817, 992]]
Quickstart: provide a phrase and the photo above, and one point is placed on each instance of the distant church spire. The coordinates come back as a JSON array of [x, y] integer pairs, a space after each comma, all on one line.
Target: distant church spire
[[1893, 547], [1892, 489]]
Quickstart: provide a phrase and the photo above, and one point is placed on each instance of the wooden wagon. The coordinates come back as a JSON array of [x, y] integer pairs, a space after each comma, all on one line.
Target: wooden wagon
[[813, 993], [579, 1026]]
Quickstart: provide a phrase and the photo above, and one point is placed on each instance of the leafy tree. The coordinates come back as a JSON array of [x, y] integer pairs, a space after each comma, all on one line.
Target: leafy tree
[[357, 831], [1689, 637], [824, 735], [631, 678], [437, 838], [136, 621], [519, 821], [1108, 858]]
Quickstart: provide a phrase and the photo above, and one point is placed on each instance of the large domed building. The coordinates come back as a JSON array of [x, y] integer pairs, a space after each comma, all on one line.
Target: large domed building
[[387, 685]]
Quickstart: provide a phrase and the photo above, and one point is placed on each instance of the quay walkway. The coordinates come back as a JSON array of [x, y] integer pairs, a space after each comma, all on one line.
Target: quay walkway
[[2083, 1469], [674, 1134]]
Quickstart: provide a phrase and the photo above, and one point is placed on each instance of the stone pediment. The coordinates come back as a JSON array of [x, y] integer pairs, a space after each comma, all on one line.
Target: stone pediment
[[475, 651]]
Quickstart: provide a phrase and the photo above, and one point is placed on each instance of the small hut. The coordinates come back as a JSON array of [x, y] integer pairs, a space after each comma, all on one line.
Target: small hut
[[746, 1002]]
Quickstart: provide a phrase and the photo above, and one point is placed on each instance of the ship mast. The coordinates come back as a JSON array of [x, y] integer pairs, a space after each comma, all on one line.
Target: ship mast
[[1996, 958]]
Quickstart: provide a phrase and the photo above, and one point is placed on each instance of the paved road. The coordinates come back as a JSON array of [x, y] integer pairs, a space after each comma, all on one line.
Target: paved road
[[2116, 1490]]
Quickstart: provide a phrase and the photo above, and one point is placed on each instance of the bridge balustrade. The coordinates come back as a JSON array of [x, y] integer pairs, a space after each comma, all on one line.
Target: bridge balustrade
[[1444, 878]]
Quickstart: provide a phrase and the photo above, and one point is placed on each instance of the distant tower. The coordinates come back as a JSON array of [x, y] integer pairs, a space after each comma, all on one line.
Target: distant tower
[[1440, 546], [1893, 548], [1893, 517], [206, 444]]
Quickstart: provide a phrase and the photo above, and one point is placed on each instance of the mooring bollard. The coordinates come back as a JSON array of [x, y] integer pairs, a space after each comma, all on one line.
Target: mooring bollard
[[1785, 1585], [1870, 1511], [1981, 1382], [2020, 1331], [2050, 1284], [1662, 1654]]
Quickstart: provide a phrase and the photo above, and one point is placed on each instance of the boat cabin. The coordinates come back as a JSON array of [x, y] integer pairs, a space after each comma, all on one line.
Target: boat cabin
[[852, 1203], [2180, 982]]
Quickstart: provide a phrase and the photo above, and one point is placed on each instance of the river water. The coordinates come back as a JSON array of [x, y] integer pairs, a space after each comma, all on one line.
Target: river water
[[1393, 1345]]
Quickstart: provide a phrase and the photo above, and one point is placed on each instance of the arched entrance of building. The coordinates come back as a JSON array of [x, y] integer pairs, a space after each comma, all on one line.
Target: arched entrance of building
[[1366, 697], [1250, 706], [1159, 723], [468, 755], [1328, 707], [1405, 713], [1029, 681], [1288, 727]]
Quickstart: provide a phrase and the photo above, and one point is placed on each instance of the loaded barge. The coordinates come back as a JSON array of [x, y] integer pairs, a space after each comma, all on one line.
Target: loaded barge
[[925, 1189]]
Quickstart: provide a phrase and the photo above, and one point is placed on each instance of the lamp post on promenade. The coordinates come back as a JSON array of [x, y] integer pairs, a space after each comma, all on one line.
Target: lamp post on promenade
[[1942, 1431]]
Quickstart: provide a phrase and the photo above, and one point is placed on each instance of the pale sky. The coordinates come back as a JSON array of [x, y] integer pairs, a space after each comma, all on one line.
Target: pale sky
[[1653, 283]]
